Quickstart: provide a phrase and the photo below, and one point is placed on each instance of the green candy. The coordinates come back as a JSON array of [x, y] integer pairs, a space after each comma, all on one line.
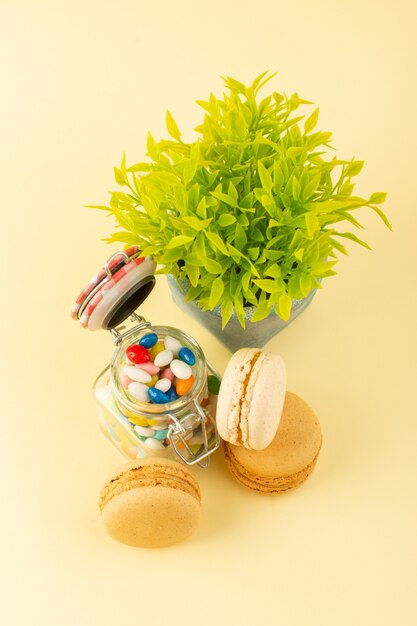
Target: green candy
[[213, 384]]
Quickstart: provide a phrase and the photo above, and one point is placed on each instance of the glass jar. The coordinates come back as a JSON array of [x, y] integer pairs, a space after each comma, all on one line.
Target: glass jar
[[183, 428]]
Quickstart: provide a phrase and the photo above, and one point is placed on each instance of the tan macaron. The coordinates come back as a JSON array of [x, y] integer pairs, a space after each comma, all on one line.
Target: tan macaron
[[151, 503], [289, 460], [251, 397]]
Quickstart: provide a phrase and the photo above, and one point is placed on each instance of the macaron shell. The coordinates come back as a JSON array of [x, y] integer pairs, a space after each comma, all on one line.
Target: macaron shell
[[151, 503], [151, 517], [228, 411], [290, 458], [251, 398], [263, 401]]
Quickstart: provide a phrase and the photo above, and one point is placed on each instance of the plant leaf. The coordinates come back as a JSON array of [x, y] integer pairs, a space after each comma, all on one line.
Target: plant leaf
[[262, 311], [284, 306], [172, 126], [381, 215], [212, 266], [378, 197], [267, 285], [311, 121], [265, 177], [224, 197], [354, 168], [179, 240], [216, 292], [227, 311], [196, 223], [296, 188], [354, 238], [193, 274], [217, 242], [226, 219]]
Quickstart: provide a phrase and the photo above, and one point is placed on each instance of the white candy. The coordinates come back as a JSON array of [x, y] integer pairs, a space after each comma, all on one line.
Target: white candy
[[144, 432], [172, 344], [154, 444], [163, 384], [164, 427], [163, 358], [180, 369], [137, 374], [139, 391]]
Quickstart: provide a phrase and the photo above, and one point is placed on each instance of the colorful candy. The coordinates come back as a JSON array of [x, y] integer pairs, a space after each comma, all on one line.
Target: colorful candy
[[137, 354], [156, 349], [144, 432], [154, 444], [157, 396], [180, 369], [154, 379], [139, 391], [149, 367], [187, 355], [172, 394], [213, 384], [184, 385], [161, 434], [137, 374], [168, 373], [172, 344], [157, 371], [163, 384], [125, 380], [163, 358], [148, 340]]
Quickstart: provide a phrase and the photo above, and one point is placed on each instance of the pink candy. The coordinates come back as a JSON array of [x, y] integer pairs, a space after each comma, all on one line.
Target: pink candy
[[149, 367], [168, 373], [125, 381]]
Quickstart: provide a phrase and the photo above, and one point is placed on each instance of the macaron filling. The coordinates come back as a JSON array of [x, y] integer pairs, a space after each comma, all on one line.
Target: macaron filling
[[238, 415], [267, 484]]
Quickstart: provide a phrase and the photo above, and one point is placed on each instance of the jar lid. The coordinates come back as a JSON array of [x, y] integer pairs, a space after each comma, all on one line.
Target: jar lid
[[116, 291]]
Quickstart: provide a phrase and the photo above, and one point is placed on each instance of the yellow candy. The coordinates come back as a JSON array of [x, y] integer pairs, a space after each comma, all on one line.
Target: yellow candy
[[153, 380], [139, 420], [155, 422], [156, 349]]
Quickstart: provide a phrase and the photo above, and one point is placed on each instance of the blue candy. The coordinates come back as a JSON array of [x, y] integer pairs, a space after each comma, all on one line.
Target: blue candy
[[172, 394], [148, 340], [161, 434], [157, 396], [187, 356]]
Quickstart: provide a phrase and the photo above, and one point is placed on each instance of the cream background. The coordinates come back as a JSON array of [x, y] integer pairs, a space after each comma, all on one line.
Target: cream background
[[81, 82]]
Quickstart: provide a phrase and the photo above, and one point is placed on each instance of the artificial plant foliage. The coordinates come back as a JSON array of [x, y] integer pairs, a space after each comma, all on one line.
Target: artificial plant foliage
[[252, 212]]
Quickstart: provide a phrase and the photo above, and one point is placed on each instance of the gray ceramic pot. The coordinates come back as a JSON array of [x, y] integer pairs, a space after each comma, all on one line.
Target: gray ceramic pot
[[233, 336]]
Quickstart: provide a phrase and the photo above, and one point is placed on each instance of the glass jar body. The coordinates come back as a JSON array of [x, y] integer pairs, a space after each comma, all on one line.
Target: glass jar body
[[183, 429]]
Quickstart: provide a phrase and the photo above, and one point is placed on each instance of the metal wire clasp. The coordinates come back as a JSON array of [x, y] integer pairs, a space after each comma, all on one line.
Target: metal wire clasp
[[119, 336], [179, 430]]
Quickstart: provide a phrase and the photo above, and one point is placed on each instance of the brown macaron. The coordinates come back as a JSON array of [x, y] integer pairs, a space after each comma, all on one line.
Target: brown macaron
[[151, 503], [289, 460]]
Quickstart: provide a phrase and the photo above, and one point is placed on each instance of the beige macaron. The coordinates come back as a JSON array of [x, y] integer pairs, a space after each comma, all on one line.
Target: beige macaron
[[151, 503], [251, 398], [289, 460]]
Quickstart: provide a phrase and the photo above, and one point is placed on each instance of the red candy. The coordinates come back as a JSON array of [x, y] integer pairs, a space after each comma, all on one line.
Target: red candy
[[137, 354]]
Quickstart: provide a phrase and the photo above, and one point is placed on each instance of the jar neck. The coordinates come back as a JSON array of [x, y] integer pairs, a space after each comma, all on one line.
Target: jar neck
[[176, 407]]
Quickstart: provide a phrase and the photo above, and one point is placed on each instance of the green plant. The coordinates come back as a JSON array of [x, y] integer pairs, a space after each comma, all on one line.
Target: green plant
[[247, 212]]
